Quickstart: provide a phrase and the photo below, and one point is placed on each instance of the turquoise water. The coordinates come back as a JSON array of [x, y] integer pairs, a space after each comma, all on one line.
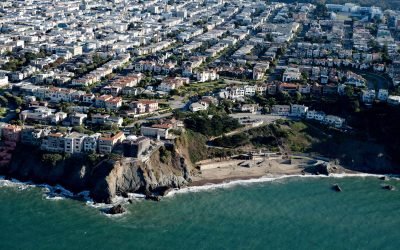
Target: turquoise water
[[295, 213]]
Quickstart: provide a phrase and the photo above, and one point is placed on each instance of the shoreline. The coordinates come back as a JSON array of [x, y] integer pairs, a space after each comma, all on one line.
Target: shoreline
[[230, 175], [57, 192], [216, 172], [233, 182]]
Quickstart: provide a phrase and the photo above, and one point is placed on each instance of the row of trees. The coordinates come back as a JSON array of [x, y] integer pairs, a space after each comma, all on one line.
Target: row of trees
[[16, 62], [216, 125]]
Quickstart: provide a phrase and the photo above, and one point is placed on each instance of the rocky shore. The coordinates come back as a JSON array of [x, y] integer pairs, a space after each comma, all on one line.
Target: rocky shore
[[107, 179], [156, 176]]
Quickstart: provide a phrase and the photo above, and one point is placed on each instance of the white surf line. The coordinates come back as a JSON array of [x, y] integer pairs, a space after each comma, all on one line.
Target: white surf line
[[233, 183]]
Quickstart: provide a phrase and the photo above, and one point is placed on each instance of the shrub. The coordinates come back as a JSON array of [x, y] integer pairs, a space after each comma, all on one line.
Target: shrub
[[51, 159]]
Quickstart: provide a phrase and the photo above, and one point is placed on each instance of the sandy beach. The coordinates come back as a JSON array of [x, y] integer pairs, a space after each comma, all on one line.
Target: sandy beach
[[229, 170]]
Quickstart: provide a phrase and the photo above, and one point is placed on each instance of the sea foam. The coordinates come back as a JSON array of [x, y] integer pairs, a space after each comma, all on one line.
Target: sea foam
[[268, 178]]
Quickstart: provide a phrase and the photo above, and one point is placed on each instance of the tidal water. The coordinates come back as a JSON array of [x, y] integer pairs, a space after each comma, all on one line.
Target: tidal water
[[292, 213]]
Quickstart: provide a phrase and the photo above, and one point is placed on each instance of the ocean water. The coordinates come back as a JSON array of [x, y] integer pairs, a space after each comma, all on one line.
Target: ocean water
[[290, 213]]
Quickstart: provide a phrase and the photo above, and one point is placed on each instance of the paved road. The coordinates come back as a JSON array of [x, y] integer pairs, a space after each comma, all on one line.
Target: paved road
[[156, 117], [265, 118], [376, 81], [233, 81]]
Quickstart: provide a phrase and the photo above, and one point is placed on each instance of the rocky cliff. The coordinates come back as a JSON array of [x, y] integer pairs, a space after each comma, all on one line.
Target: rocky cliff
[[166, 168]]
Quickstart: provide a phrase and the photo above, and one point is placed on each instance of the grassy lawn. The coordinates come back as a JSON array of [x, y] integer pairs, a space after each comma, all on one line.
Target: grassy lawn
[[202, 87], [302, 136]]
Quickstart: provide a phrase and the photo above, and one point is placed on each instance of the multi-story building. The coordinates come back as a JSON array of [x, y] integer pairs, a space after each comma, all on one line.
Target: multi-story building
[[108, 142], [11, 133], [298, 110], [280, 109], [90, 143], [53, 142], [73, 143], [144, 106], [135, 146], [316, 115], [32, 136]]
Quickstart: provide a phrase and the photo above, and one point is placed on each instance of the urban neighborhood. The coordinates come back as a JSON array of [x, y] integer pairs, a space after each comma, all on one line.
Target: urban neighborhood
[[130, 77]]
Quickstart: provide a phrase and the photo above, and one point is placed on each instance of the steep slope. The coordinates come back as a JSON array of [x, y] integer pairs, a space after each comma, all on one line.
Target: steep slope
[[164, 169]]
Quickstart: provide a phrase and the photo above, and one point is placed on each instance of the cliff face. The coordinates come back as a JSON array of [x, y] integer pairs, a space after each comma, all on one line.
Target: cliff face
[[166, 168], [153, 175]]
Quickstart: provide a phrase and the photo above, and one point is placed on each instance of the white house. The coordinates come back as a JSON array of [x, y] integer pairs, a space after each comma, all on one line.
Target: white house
[[291, 74], [383, 94], [196, 106], [316, 115], [334, 121], [207, 75], [368, 96], [74, 142], [298, 110], [393, 100]]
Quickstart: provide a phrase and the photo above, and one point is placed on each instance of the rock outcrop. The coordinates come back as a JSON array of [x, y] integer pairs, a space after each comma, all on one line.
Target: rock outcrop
[[150, 177], [117, 209]]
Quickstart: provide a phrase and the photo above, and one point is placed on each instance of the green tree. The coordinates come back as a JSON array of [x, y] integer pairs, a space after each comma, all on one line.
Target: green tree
[[51, 159]]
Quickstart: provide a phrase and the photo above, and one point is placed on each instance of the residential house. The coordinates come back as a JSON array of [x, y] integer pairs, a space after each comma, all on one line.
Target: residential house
[[77, 119], [291, 74], [334, 121], [383, 95], [196, 106], [280, 109], [108, 142], [207, 75], [393, 100], [53, 142], [144, 106], [159, 131], [90, 143], [298, 110], [170, 83], [288, 87], [315, 115], [11, 133], [32, 136], [251, 108], [73, 142], [368, 96]]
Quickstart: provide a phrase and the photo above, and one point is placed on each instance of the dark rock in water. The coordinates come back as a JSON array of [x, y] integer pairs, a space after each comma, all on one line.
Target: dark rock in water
[[130, 201], [118, 209], [79, 197], [389, 187], [125, 195], [151, 196], [384, 178], [337, 188], [163, 190], [57, 191]]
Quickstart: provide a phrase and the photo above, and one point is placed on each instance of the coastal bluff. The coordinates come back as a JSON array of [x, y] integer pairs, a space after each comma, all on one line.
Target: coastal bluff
[[107, 178]]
